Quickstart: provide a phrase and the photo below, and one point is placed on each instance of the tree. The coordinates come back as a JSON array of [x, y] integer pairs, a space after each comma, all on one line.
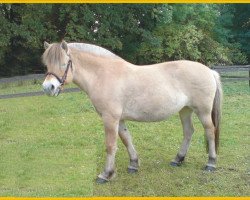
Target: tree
[[140, 33], [196, 32], [241, 27], [25, 27]]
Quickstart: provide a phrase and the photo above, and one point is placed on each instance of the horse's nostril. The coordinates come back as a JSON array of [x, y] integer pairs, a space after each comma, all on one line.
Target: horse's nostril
[[52, 87]]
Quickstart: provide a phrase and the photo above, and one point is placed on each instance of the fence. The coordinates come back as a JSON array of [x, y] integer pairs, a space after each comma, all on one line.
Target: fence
[[239, 75]]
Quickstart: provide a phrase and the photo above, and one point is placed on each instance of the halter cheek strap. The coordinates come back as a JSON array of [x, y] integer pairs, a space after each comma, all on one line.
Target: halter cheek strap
[[64, 77]]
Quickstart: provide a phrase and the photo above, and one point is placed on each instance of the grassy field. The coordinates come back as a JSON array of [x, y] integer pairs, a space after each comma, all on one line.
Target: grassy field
[[54, 147], [23, 87]]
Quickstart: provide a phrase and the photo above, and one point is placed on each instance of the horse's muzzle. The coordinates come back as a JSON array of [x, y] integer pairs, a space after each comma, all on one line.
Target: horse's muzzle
[[52, 88]]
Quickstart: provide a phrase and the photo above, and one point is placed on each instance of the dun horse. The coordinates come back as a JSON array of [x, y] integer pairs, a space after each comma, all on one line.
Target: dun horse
[[122, 91]]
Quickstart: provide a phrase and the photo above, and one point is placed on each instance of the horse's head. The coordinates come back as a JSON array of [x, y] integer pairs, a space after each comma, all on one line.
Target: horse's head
[[57, 59]]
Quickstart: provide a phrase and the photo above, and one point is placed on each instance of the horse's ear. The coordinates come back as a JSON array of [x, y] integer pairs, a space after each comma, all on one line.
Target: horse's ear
[[46, 45], [64, 46]]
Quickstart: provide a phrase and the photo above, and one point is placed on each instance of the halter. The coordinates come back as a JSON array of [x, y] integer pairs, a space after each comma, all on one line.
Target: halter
[[64, 77]]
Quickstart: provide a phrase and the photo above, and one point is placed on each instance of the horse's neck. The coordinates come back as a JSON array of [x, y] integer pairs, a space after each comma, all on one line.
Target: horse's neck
[[85, 69]]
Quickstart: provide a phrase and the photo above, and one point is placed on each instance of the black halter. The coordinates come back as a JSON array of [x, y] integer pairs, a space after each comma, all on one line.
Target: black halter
[[64, 77]]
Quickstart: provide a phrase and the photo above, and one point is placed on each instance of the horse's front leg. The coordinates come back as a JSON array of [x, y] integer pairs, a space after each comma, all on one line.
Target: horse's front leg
[[127, 141], [111, 133]]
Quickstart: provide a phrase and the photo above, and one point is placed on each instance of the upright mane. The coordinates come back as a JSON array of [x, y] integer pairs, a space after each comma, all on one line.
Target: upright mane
[[93, 49], [54, 55]]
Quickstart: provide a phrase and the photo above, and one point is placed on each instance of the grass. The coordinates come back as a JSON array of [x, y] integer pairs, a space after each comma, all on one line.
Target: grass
[[20, 87], [24, 86], [54, 147]]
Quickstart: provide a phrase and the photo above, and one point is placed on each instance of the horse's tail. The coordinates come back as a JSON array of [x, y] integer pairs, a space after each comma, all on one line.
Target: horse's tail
[[216, 111]]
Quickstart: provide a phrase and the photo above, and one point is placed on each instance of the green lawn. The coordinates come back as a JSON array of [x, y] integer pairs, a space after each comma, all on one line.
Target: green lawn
[[55, 147], [20, 87], [23, 87]]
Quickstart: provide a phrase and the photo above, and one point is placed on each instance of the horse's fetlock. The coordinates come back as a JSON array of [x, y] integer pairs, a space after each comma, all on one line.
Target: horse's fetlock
[[134, 162], [180, 158], [107, 175], [211, 160], [110, 174]]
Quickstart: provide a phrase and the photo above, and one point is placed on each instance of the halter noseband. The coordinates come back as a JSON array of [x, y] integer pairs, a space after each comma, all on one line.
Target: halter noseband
[[64, 77]]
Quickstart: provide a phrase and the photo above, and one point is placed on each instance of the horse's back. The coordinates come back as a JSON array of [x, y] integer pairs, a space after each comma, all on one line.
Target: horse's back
[[185, 76], [155, 92]]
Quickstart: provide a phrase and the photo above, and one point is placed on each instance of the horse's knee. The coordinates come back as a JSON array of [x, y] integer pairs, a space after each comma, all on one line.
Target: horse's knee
[[111, 149]]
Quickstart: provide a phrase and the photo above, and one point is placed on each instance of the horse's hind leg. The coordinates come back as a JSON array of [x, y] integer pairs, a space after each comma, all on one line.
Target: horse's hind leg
[[187, 125], [208, 125], [127, 141]]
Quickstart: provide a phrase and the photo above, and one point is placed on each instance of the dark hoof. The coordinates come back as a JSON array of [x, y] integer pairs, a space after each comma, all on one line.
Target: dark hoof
[[175, 164], [210, 169], [132, 171], [101, 180]]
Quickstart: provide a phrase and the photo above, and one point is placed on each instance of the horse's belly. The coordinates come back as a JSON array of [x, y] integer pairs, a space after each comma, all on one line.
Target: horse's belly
[[153, 109], [145, 116]]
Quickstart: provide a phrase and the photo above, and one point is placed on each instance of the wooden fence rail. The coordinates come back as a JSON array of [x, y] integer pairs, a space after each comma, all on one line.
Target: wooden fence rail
[[223, 70]]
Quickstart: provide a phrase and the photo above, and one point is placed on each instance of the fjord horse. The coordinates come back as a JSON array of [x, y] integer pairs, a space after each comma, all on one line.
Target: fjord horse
[[122, 91]]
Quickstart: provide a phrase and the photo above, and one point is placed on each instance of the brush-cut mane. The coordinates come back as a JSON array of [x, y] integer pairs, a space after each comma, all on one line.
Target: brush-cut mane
[[93, 49], [54, 54]]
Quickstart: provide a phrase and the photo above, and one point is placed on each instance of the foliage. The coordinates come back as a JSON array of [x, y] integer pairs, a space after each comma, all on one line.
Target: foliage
[[196, 32], [241, 27], [140, 33], [178, 42], [24, 29]]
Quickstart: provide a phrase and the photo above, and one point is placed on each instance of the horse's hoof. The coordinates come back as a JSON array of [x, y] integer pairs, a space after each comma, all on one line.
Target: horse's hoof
[[132, 171], [210, 168], [175, 164], [101, 180]]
